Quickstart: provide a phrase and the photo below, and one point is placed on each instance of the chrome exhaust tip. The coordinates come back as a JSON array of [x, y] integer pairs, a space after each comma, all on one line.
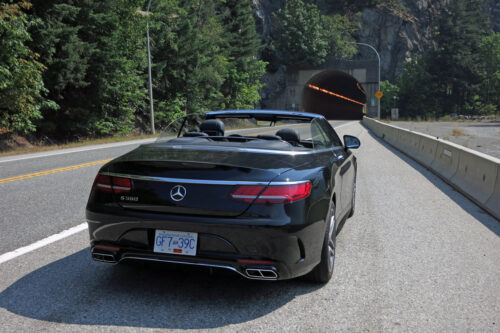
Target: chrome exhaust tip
[[261, 274], [104, 257]]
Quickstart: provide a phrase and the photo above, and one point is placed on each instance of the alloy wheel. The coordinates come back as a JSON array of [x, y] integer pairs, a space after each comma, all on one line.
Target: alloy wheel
[[331, 242]]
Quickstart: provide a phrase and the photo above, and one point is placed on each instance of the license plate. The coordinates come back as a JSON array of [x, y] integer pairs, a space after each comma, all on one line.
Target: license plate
[[176, 242]]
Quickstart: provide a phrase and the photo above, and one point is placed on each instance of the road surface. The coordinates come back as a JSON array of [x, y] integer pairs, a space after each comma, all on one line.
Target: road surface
[[416, 256]]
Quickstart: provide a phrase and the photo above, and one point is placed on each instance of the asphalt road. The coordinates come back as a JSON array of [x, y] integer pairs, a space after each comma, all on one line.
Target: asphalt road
[[416, 256]]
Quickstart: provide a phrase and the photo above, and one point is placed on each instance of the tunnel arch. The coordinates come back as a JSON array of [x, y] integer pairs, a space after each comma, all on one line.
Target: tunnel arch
[[335, 95]]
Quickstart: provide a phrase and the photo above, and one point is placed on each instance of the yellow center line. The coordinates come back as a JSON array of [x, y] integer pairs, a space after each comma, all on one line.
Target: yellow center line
[[73, 167], [48, 172]]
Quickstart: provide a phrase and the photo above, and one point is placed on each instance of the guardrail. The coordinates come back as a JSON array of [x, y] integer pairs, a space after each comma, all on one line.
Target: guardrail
[[474, 174]]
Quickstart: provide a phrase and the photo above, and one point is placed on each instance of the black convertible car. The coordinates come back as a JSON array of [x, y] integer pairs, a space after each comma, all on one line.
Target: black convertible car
[[261, 193]]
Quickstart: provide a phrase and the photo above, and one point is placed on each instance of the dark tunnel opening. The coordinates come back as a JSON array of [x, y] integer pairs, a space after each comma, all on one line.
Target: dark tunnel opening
[[335, 95]]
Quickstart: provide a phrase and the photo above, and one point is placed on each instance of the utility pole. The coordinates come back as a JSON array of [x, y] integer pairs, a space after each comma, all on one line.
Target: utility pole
[[152, 115], [378, 56]]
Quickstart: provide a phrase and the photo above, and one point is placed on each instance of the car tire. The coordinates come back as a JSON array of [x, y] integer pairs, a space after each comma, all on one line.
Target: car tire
[[322, 273], [353, 200]]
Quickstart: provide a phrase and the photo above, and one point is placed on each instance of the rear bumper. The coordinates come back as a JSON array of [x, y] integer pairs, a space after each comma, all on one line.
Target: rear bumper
[[254, 272], [254, 250]]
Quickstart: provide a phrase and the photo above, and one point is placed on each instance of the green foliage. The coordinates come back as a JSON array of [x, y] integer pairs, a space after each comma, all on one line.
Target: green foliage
[[189, 66], [489, 72], [418, 91], [95, 64], [459, 75], [477, 106], [117, 67], [345, 6], [454, 64], [242, 83], [305, 36], [387, 102], [204, 56], [168, 111], [21, 85]]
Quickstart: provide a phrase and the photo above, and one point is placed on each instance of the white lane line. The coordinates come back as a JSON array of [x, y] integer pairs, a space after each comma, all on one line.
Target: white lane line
[[77, 150], [41, 243]]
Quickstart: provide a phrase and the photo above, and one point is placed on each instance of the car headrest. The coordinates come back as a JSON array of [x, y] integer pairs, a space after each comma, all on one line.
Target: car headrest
[[213, 127], [194, 134], [289, 135]]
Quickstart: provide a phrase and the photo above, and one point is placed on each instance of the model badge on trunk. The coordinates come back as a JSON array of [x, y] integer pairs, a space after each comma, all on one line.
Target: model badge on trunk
[[127, 198], [178, 192]]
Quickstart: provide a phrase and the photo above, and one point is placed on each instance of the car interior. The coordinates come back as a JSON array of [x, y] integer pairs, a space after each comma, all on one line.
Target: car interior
[[214, 130]]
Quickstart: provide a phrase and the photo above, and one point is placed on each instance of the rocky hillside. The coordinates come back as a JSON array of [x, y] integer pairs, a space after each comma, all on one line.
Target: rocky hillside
[[398, 29]]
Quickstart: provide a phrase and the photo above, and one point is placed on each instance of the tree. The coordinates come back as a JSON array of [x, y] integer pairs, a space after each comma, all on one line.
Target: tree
[[347, 6], [454, 64], [389, 100], [419, 96], [118, 63], [21, 85], [306, 37], [189, 64], [94, 54], [489, 72], [454, 77], [242, 84]]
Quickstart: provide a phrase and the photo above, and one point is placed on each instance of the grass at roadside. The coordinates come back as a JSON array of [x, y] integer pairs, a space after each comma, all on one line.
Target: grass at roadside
[[41, 148], [457, 132]]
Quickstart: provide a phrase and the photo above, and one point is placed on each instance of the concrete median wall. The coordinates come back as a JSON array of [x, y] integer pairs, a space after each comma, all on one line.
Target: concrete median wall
[[474, 174]]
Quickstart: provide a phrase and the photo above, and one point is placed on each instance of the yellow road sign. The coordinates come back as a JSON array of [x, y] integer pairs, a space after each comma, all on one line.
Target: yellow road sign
[[379, 94]]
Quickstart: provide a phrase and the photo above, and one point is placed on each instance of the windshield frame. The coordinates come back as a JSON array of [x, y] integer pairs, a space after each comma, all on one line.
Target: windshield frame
[[176, 131]]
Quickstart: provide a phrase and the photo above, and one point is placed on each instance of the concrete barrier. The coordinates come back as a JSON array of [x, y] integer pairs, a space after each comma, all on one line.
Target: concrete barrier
[[397, 135], [379, 128], [475, 174], [375, 126], [426, 149], [493, 203], [410, 143], [391, 135], [446, 162]]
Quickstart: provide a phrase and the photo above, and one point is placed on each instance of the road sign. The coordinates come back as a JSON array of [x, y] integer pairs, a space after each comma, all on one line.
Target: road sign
[[379, 94]]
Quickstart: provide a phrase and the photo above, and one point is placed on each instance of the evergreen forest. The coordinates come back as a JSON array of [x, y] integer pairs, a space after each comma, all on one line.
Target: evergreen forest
[[78, 68]]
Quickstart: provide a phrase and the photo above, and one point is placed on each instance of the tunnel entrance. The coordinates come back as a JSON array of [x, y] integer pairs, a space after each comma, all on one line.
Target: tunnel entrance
[[335, 95]]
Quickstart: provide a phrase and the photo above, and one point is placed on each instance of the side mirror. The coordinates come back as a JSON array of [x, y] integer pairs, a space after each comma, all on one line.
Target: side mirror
[[351, 142]]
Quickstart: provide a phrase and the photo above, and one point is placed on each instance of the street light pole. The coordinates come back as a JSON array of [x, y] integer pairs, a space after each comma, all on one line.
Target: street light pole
[[149, 72], [378, 57]]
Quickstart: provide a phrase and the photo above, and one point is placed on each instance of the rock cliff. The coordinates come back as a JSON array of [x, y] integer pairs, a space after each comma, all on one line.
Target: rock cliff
[[397, 30]]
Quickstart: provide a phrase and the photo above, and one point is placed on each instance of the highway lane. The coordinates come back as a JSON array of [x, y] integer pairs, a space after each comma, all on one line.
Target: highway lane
[[15, 165], [417, 256], [34, 208]]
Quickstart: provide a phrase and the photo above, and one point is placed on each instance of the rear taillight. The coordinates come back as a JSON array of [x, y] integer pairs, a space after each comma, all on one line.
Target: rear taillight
[[103, 183], [271, 193], [121, 185], [112, 184]]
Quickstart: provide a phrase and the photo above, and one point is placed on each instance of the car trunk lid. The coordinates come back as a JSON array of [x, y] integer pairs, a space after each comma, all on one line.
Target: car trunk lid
[[191, 182]]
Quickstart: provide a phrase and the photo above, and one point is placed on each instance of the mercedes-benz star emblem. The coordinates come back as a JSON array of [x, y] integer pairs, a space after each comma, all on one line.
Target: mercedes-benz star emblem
[[178, 192]]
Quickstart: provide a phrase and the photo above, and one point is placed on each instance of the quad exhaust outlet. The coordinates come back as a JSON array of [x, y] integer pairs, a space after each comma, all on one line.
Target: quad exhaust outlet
[[261, 274], [104, 257]]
